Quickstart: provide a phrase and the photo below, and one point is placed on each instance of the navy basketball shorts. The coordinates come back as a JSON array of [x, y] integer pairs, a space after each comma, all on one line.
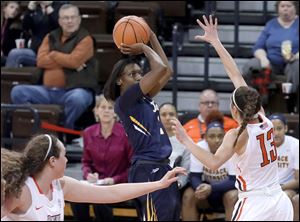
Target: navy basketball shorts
[[161, 205]]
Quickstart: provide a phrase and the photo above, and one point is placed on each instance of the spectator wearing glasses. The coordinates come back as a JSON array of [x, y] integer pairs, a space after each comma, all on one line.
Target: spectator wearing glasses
[[66, 57], [11, 28], [209, 101], [40, 18]]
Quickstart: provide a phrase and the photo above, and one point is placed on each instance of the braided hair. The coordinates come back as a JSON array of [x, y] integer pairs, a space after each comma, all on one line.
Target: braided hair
[[248, 102]]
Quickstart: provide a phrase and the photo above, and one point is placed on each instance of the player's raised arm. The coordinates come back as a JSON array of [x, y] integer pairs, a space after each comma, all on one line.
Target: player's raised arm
[[211, 36], [165, 77]]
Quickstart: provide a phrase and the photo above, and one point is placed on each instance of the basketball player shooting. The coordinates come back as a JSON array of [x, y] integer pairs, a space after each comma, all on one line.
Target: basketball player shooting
[[139, 114]]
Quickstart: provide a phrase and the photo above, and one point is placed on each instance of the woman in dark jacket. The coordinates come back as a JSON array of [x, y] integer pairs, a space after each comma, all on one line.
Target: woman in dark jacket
[[11, 28], [40, 18]]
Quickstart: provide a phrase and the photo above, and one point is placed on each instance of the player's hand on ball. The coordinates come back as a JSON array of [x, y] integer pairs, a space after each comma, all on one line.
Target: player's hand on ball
[[133, 49]]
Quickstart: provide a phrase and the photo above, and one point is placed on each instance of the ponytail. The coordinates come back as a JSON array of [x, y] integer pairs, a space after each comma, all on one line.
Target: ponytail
[[13, 172]]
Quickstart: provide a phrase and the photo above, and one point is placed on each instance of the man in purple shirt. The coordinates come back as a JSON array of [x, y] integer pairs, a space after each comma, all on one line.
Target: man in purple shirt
[[106, 156]]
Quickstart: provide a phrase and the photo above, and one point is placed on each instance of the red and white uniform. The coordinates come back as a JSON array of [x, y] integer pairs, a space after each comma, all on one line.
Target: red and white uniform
[[41, 209], [260, 195]]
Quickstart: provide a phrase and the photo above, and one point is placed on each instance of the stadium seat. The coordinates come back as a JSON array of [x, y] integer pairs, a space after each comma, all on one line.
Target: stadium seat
[[150, 11], [93, 15]]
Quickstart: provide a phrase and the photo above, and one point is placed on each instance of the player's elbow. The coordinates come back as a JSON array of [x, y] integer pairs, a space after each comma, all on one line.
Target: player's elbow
[[162, 69], [170, 71]]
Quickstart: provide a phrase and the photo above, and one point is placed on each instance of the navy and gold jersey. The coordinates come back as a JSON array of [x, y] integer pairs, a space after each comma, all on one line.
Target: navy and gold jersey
[[140, 117]]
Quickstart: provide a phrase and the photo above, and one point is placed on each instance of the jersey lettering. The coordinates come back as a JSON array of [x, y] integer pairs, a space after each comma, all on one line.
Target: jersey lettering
[[53, 217], [155, 106], [262, 143]]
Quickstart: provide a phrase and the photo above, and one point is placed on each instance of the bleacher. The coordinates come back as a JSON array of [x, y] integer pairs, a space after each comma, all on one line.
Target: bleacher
[[196, 64]]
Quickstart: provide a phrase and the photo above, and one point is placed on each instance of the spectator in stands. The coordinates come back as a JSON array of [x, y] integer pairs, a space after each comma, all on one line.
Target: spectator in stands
[[180, 156], [287, 155], [210, 188], [106, 156], [11, 28], [40, 18], [67, 58], [209, 101], [277, 48]]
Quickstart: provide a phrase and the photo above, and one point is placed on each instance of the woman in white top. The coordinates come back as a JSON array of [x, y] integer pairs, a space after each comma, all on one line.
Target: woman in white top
[[251, 146], [209, 188], [42, 197], [288, 155], [180, 156], [288, 158]]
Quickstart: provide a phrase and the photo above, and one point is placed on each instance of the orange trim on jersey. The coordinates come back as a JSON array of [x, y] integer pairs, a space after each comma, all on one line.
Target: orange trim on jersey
[[241, 209], [243, 182]]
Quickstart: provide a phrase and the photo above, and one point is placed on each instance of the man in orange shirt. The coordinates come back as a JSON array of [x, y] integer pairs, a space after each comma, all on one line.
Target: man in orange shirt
[[66, 57], [208, 101]]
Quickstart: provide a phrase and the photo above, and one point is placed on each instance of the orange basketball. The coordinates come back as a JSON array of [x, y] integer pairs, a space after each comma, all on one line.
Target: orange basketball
[[131, 29]]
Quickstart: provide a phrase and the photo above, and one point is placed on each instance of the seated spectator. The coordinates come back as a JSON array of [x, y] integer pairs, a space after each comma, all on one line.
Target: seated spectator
[[106, 156], [287, 155], [11, 28], [180, 156], [67, 59], [210, 188], [209, 101], [40, 18], [272, 52]]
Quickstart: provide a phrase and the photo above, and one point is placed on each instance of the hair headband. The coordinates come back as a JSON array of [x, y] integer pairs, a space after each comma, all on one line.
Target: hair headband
[[233, 99], [214, 124], [278, 116], [49, 147]]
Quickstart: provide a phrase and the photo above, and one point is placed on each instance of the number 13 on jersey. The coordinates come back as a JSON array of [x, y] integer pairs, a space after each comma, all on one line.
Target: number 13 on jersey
[[268, 157]]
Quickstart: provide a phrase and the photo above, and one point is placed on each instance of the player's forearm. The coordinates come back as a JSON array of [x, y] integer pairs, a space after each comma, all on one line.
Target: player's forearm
[[126, 191], [206, 158], [157, 69], [155, 61], [159, 50], [76, 191], [229, 64], [227, 60]]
